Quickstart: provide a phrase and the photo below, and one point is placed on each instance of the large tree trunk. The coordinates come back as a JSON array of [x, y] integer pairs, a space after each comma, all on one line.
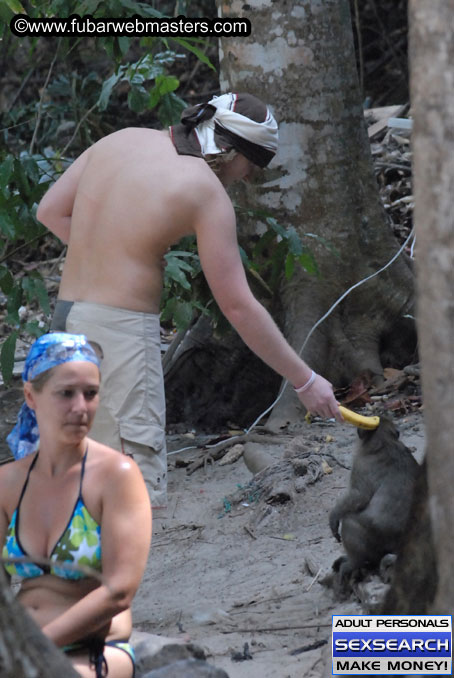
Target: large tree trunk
[[300, 58], [415, 577], [24, 651], [423, 580], [432, 91]]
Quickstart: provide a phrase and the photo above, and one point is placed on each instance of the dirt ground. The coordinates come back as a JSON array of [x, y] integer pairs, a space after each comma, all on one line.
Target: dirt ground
[[237, 559], [237, 565]]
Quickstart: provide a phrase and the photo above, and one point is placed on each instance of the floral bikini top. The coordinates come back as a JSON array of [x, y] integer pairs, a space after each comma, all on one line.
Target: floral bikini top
[[80, 543]]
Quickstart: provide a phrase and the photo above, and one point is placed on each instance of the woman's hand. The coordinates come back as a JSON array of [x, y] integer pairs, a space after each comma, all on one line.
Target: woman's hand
[[319, 399]]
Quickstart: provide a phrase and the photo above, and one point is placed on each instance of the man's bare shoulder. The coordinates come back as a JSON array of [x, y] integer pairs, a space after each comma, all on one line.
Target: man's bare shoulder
[[197, 173], [152, 153], [179, 191], [134, 137]]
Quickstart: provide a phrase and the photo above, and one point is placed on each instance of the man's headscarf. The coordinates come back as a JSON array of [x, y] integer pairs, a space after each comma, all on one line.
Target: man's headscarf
[[46, 352], [233, 120]]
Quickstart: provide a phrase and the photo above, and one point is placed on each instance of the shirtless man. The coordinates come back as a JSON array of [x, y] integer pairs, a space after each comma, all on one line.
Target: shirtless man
[[120, 206]]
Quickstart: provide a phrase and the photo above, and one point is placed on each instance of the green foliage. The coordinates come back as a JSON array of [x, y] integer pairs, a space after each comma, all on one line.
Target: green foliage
[[191, 46], [7, 356], [20, 190], [85, 83], [185, 291], [161, 96], [279, 251]]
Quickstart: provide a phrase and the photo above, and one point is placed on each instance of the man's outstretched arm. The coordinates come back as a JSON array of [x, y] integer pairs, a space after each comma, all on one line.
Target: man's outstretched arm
[[223, 269]]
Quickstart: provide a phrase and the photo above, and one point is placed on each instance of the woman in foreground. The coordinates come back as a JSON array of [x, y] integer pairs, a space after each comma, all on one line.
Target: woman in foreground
[[75, 511]]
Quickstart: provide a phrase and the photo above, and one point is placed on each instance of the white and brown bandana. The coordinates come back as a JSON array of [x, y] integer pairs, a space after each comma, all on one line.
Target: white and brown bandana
[[239, 121]]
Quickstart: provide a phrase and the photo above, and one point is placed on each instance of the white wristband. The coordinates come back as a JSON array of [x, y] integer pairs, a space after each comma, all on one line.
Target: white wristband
[[308, 384]]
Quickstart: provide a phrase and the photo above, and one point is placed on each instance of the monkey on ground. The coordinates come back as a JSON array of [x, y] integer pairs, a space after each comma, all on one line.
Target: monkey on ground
[[374, 513]]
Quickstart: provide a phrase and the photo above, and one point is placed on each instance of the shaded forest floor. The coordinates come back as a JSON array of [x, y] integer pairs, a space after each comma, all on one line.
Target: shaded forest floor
[[237, 561]]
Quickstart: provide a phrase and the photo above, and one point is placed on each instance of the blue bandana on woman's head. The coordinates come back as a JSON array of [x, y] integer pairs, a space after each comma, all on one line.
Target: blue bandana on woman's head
[[48, 351]]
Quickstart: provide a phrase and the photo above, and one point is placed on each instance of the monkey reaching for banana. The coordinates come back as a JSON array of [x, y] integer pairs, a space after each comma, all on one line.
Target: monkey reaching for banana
[[371, 518]]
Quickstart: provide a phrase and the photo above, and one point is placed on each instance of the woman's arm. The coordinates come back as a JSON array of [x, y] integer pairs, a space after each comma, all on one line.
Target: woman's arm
[[3, 511], [8, 480], [3, 531], [125, 543]]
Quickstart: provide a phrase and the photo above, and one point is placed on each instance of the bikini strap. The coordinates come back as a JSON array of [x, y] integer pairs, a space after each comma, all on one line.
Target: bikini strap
[[82, 471], [30, 468]]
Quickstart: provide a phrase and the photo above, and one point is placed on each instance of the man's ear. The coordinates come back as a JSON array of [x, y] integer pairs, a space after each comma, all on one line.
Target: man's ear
[[29, 395]]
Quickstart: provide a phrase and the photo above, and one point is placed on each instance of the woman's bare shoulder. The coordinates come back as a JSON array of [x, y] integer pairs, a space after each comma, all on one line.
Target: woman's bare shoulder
[[111, 477], [12, 476], [105, 459]]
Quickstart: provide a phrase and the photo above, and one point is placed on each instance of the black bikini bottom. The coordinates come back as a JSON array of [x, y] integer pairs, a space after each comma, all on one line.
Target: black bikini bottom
[[95, 648]]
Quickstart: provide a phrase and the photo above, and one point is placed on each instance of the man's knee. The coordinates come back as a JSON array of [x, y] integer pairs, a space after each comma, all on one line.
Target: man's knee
[[153, 465]]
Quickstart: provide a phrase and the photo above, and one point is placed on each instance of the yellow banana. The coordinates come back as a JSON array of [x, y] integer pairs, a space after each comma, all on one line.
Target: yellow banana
[[358, 419]]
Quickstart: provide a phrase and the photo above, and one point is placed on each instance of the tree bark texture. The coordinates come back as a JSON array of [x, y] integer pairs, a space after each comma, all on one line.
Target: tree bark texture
[[414, 583], [300, 59], [24, 651], [432, 94]]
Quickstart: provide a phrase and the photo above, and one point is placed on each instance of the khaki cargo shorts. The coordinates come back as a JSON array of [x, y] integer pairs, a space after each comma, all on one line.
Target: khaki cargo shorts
[[131, 412]]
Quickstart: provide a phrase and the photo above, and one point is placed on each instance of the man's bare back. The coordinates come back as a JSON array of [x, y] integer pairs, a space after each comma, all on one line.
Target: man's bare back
[[134, 198]]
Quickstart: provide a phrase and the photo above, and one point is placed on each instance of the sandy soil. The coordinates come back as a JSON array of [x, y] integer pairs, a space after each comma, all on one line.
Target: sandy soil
[[237, 560], [240, 572]]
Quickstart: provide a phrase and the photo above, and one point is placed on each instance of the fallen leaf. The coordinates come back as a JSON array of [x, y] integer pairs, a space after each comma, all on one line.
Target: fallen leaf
[[392, 373], [233, 454], [326, 467]]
